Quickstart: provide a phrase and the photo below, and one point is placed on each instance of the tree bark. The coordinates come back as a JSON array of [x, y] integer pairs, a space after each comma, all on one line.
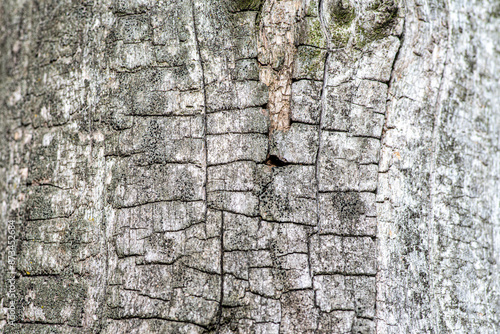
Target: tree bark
[[250, 166]]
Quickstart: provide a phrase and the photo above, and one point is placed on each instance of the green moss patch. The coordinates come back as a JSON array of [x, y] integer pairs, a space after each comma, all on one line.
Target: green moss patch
[[378, 22]]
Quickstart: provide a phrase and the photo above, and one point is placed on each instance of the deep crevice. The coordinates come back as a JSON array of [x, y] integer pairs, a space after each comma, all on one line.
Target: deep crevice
[[275, 161]]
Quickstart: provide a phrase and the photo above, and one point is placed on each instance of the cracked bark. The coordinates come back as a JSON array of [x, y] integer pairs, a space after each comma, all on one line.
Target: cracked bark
[[262, 166]]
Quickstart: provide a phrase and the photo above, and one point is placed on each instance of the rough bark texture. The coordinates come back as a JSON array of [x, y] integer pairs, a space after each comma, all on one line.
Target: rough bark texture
[[251, 166]]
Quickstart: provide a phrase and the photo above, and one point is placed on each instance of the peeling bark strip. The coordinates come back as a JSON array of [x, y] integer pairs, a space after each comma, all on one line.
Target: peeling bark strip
[[154, 194], [277, 51]]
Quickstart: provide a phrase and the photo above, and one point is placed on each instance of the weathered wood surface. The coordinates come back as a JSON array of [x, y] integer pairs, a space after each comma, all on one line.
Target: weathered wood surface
[[252, 166]]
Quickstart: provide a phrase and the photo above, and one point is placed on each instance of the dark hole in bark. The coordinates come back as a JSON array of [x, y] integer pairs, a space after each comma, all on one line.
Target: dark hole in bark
[[275, 161]]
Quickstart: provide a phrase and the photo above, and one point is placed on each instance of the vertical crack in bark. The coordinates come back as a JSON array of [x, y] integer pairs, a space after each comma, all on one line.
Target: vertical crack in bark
[[219, 313], [198, 51], [276, 55], [382, 137], [316, 170], [432, 178], [205, 164]]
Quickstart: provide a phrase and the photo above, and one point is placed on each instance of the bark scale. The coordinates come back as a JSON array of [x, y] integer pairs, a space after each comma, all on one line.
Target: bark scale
[[251, 166]]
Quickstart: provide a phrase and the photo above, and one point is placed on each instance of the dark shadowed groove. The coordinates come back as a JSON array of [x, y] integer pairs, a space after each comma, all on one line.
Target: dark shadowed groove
[[316, 170], [219, 313], [198, 51]]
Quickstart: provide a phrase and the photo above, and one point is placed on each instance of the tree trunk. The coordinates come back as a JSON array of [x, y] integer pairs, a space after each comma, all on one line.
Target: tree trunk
[[250, 166]]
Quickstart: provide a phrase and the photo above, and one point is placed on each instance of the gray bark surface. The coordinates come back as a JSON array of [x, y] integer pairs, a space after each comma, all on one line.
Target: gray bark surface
[[251, 166]]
